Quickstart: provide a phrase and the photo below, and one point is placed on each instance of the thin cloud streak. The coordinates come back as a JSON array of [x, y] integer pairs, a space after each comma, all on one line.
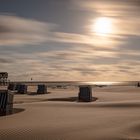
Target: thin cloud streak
[[15, 30]]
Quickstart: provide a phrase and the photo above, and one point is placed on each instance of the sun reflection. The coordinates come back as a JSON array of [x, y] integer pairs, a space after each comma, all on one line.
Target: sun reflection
[[102, 26]]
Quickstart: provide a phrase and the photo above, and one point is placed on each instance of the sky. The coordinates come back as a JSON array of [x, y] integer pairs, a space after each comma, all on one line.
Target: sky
[[77, 40]]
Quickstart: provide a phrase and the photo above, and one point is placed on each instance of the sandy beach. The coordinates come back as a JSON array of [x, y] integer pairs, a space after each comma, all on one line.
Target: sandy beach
[[114, 115], [76, 67]]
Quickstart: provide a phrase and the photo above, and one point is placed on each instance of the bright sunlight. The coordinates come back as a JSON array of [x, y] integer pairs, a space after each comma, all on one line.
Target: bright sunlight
[[102, 26]]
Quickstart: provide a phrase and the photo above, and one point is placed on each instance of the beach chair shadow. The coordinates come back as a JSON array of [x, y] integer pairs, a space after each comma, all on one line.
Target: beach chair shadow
[[69, 99]]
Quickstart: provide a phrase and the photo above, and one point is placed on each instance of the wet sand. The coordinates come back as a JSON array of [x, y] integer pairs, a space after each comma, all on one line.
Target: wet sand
[[115, 115]]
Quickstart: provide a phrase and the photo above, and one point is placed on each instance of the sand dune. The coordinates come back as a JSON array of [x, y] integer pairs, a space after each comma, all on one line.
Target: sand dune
[[114, 115]]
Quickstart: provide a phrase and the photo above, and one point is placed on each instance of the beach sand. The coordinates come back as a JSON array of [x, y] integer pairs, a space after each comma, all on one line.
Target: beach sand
[[115, 115]]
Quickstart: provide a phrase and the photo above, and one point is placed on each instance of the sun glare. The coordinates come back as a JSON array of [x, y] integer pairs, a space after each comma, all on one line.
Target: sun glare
[[102, 26]]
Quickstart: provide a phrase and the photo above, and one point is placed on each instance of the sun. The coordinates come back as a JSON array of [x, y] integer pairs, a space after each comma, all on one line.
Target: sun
[[102, 26]]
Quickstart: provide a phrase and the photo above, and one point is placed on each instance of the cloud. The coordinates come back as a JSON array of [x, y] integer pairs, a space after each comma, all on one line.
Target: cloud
[[132, 44], [87, 62], [124, 13], [85, 56], [71, 38], [110, 7], [86, 39], [78, 54], [5, 61], [71, 65], [16, 30], [22, 31]]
